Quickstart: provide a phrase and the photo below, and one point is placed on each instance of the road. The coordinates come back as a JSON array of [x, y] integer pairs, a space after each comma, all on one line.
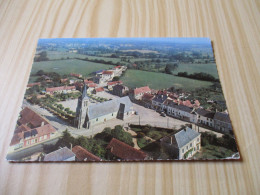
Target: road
[[29, 151]]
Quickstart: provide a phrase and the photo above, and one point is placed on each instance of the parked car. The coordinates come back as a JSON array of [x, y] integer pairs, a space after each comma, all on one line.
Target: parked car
[[163, 114]]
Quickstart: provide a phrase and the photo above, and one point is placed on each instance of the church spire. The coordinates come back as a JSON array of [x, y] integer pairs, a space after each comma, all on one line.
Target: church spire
[[84, 92]]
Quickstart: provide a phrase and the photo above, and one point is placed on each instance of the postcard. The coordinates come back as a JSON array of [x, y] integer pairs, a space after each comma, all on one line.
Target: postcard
[[123, 99]]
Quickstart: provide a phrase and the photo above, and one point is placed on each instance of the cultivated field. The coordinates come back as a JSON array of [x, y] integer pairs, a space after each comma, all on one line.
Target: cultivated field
[[137, 78], [192, 68], [69, 66]]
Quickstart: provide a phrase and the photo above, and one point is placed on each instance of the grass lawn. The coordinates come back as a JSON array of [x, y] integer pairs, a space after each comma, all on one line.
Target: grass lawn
[[137, 78], [68, 66], [192, 68], [142, 142], [213, 152]]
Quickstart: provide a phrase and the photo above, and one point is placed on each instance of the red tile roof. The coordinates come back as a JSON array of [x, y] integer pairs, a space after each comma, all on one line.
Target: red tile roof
[[75, 75], [187, 103], [31, 117], [87, 81], [84, 155], [145, 89], [21, 128], [117, 66], [147, 96], [92, 85], [53, 89], [63, 80], [114, 82], [107, 72], [33, 84], [124, 151], [100, 89]]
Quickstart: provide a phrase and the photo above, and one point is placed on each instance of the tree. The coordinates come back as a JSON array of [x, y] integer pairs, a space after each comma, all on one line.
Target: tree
[[168, 69], [116, 78], [34, 99]]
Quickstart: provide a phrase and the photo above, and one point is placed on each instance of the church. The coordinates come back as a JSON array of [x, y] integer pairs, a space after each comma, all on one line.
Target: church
[[89, 115]]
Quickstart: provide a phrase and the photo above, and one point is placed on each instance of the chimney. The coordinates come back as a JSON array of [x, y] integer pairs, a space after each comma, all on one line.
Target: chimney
[[70, 146], [42, 123], [171, 140]]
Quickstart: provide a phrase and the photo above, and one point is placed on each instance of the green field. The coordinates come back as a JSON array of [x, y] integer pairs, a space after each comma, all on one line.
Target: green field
[[137, 78], [192, 68], [68, 66]]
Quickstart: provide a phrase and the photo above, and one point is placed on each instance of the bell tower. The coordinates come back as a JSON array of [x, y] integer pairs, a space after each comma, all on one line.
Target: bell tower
[[82, 109]]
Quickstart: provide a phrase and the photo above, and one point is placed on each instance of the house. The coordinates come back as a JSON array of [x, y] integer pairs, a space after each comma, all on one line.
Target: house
[[111, 84], [138, 93], [182, 112], [205, 117], [76, 75], [33, 84], [32, 129], [120, 150], [62, 154], [46, 78], [62, 89], [64, 80], [117, 68], [98, 90], [89, 115], [84, 155], [107, 75], [31, 119], [86, 81], [158, 102], [222, 122], [147, 99], [183, 144], [120, 90]]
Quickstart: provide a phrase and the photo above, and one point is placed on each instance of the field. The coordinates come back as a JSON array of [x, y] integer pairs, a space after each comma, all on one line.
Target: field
[[192, 68], [137, 78], [68, 66]]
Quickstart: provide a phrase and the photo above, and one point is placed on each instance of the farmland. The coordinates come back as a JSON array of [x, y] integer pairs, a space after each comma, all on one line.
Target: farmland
[[192, 68], [68, 66], [155, 80]]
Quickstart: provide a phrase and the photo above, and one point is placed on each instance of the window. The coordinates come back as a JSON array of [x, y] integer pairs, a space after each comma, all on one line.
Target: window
[[97, 119], [45, 137], [28, 142], [198, 139], [112, 114], [187, 147], [190, 144], [182, 150]]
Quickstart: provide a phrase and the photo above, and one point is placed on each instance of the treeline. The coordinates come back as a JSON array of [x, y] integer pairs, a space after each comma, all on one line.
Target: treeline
[[198, 76], [99, 61], [41, 57]]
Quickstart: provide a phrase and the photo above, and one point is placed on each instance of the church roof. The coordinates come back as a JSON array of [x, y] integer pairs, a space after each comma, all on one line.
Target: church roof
[[101, 109]]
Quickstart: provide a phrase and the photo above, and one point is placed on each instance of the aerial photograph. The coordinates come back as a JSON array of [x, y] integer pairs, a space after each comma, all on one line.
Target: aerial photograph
[[123, 99]]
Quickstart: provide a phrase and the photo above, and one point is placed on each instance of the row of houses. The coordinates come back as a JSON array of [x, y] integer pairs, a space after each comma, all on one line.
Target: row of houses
[[187, 110], [31, 129]]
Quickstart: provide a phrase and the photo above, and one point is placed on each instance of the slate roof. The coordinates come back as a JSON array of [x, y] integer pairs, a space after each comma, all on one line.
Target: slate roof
[[205, 113], [222, 117], [184, 108], [160, 98], [182, 137], [84, 155], [104, 108], [29, 116], [124, 151], [59, 155]]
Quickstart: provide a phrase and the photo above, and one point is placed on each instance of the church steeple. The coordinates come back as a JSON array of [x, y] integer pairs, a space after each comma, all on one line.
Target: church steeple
[[82, 108]]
